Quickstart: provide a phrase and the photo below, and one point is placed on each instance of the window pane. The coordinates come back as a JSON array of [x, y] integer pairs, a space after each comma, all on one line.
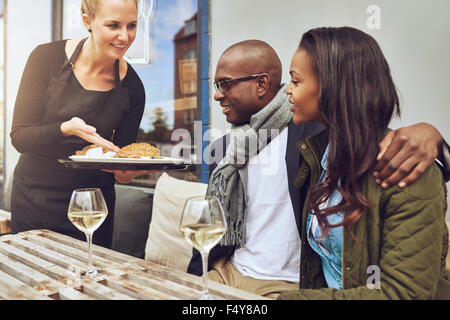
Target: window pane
[[171, 82]]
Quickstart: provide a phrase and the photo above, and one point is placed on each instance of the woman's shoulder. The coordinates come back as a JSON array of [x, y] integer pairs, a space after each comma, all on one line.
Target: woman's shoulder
[[55, 47], [428, 186], [47, 57]]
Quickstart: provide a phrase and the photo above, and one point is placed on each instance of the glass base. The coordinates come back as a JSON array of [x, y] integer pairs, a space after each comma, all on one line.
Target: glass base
[[94, 274], [206, 296]]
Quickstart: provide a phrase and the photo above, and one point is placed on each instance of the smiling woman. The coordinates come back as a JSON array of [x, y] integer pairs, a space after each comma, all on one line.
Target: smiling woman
[[351, 227], [74, 93]]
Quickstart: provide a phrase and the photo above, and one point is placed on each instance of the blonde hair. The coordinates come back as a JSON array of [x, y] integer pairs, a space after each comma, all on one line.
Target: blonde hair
[[90, 7]]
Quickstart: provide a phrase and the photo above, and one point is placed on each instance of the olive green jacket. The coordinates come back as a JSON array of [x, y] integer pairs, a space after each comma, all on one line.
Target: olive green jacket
[[403, 236]]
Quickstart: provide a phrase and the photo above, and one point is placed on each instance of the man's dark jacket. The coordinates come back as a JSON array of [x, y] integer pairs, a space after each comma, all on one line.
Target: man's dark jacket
[[292, 158]]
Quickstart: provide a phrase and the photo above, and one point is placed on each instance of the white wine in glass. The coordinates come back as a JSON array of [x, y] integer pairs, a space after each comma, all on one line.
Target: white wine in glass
[[87, 211], [203, 225]]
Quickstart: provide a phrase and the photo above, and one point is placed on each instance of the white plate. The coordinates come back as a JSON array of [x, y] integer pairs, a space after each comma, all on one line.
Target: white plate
[[162, 160]]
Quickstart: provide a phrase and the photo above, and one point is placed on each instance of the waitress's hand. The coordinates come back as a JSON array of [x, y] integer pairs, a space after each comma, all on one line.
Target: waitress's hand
[[126, 176], [77, 127]]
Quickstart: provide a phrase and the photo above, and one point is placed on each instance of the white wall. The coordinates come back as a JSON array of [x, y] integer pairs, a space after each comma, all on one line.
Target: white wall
[[414, 36], [29, 23]]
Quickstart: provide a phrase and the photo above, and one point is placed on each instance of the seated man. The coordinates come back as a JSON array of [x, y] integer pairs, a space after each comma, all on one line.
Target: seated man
[[260, 252]]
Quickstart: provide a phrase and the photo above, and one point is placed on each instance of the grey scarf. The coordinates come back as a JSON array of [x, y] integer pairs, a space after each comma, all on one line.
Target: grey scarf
[[228, 181]]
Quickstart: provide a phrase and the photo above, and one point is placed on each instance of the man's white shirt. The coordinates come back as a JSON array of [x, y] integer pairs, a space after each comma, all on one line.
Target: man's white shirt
[[272, 249]]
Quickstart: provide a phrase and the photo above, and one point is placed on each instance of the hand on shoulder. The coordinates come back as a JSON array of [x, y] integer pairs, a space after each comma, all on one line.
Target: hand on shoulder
[[406, 153]]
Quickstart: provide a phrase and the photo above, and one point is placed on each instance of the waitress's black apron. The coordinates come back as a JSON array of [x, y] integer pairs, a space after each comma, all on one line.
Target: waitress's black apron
[[42, 187]]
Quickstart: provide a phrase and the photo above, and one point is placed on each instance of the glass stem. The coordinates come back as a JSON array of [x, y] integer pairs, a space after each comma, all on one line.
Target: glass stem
[[205, 272], [89, 241]]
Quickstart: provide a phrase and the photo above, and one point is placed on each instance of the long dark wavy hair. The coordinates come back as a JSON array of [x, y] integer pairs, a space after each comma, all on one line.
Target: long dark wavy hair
[[357, 100]]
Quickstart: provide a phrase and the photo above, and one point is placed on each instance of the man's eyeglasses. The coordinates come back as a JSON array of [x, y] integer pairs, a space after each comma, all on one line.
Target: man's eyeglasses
[[224, 85]]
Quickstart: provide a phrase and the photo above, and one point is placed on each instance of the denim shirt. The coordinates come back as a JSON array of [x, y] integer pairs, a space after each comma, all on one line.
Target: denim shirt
[[330, 248]]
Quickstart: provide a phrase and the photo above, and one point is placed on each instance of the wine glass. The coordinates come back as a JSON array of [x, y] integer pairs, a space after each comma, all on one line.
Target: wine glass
[[87, 211], [203, 225]]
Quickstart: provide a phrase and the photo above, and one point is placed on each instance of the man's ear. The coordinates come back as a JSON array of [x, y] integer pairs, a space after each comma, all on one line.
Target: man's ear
[[263, 85], [87, 22]]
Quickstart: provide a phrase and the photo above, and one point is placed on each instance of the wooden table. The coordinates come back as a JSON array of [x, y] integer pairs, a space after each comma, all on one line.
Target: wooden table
[[42, 265]]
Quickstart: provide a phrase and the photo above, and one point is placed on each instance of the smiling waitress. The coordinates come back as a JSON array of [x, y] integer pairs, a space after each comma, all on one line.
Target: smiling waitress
[[74, 93]]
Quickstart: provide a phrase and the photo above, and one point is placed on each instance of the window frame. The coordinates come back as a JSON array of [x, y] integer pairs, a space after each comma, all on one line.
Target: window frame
[[3, 188]]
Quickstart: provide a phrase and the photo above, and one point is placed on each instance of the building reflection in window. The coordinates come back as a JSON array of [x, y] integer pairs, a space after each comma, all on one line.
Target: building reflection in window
[[171, 85]]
